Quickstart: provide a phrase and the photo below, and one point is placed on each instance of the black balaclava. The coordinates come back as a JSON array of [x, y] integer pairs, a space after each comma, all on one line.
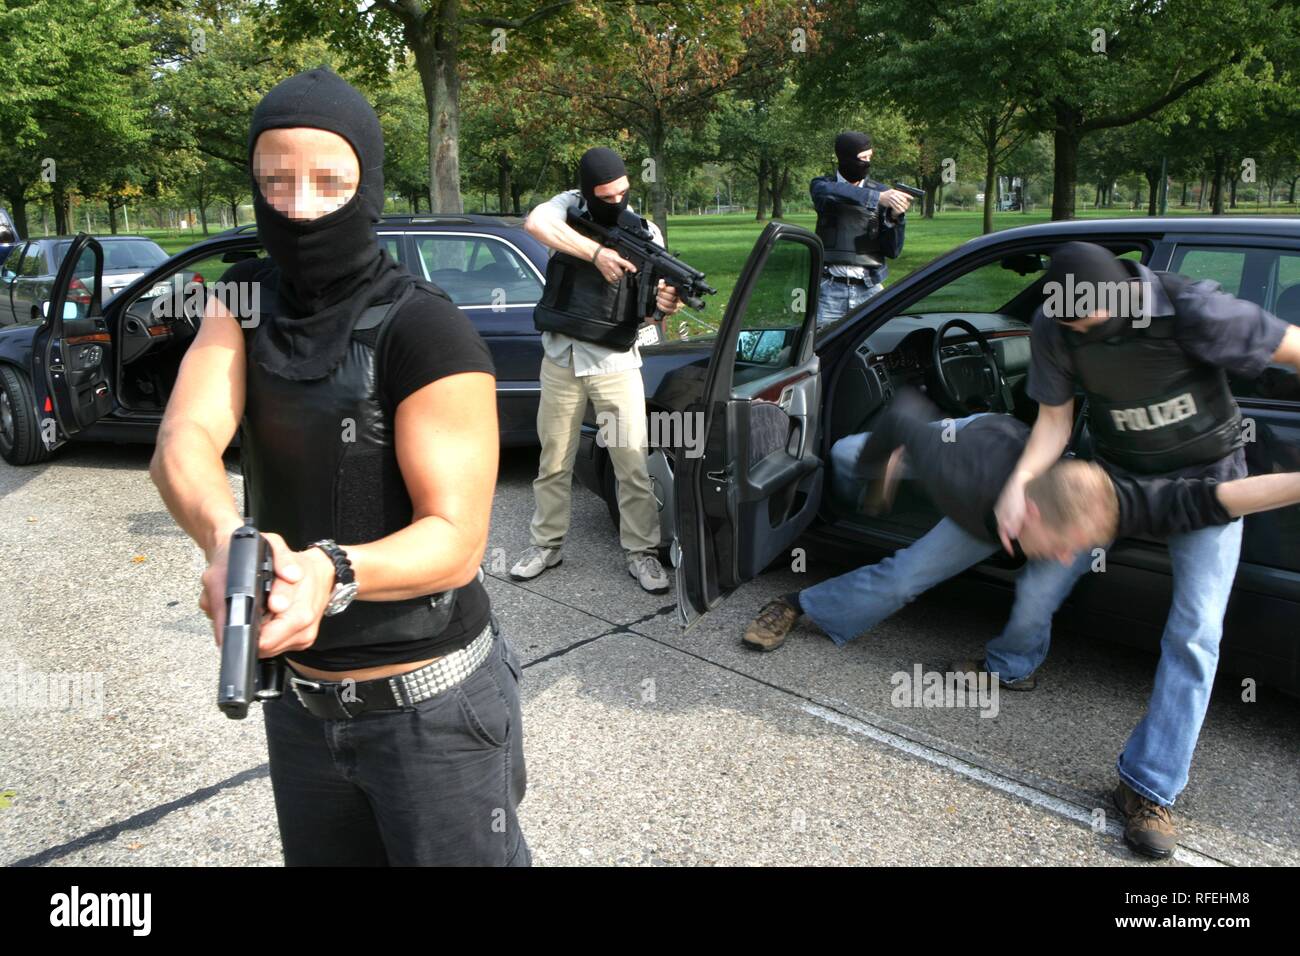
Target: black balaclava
[[330, 268], [1087, 262], [598, 166], [847, 146]]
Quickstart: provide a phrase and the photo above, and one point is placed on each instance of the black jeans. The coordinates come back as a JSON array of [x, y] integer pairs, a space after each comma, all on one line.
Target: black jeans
[[433, 784]]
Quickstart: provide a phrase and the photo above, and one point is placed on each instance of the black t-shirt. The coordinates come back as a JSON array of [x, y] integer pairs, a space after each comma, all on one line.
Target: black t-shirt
[[427, 339]]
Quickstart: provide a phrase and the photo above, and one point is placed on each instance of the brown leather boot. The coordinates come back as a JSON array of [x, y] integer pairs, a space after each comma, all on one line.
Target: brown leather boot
[[767, 631], [1150, 827]]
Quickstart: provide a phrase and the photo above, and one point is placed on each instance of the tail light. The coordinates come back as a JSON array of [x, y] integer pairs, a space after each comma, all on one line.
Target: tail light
[[77, 292]]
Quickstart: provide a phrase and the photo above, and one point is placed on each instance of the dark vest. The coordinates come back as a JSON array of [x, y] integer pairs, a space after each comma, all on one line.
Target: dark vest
[[319, 462], [850, 235], [1153, 408], [577, 301]]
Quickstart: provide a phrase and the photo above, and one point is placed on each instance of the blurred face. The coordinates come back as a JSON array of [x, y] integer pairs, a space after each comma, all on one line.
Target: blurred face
[[612, 191], [305, 173], [1044, 543]]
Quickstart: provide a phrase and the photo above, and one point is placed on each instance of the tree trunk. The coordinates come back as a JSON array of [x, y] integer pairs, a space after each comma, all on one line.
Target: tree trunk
[[516, 191], [779, 186], [234, 212], [760, 212], [1153, 184], [1183, 201], [112, 218], [16, 197], [503, 182], [1200, 196], [658, 194], [1219, 162], [203, 214], [60, 196], [1096, 203], [1065, 149], [1232, 192], [990, 186], [1290, 198], [436, 60]]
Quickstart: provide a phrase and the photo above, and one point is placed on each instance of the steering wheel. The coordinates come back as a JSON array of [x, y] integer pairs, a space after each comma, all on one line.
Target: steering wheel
[[963, 377]]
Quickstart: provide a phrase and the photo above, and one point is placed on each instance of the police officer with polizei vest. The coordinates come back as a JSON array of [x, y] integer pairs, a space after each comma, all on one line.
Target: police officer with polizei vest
[[1159, 406], [591, 338], [860, 224]]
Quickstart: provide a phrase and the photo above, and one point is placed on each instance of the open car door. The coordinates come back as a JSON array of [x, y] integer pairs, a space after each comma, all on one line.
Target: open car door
[[758, 483], [72, 352]]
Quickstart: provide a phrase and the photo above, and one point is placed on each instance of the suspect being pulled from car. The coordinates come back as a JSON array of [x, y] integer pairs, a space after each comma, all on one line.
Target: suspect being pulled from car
[[591, 337], [1159, 406], [860, 223], [366, 406]]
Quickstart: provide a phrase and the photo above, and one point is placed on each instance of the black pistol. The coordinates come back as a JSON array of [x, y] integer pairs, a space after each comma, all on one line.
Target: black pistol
[[244, 676], [910, 190]]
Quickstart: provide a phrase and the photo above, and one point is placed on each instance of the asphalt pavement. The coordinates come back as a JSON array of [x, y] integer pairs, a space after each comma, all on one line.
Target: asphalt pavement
[[645, 745]]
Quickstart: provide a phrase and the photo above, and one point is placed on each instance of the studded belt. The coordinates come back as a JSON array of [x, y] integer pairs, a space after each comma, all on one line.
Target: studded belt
[[340, 700]]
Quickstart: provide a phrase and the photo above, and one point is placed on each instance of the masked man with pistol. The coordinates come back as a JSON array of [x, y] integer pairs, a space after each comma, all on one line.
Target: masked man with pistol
[[367, 411], [590, 336], [860, 224]]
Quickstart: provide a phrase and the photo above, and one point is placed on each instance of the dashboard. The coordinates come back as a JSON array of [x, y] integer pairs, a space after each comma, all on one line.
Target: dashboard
[[898, 354]]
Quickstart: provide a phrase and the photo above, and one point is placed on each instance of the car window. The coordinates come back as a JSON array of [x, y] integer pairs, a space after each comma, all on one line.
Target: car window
[[121, 255], [774, 315], [12, 261], [476, 270], [33, 262], [393, 246], [1268, 277], [185, 292], [1224, 266], [992, 286]]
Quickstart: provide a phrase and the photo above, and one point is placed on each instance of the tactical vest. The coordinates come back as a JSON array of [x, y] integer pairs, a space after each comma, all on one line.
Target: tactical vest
[[850, 235], [319, 461], [1152, 407], [578, 302]]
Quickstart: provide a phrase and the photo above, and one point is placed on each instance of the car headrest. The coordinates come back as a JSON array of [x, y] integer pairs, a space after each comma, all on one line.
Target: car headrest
[[1287, 307]]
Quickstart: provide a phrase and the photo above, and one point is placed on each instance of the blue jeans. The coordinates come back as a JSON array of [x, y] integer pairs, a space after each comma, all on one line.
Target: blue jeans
[[846, 606], [1156, 759], [835, 299]]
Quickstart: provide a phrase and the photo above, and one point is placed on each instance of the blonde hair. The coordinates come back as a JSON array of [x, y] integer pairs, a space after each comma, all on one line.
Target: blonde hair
[[1074, 494]]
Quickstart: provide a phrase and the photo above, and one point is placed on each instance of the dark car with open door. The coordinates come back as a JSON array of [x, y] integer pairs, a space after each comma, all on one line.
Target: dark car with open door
[[781, 410]]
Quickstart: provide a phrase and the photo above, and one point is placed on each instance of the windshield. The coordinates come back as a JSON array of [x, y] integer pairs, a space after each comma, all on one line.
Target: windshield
[[121, 255]]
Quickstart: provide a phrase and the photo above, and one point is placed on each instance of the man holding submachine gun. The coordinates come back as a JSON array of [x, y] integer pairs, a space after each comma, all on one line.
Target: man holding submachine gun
[[860, 224], [609, 273]]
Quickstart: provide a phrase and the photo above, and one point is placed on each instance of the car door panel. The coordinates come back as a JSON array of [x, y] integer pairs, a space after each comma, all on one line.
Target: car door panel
[[757, 485], [73, 349]]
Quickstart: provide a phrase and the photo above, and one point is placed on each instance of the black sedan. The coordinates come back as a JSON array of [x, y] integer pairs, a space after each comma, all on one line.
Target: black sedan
[[752, 424], [103, 368]]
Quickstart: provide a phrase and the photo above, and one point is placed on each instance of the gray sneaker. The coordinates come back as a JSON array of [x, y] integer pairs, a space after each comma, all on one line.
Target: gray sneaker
[[648, 572], [534, 561]]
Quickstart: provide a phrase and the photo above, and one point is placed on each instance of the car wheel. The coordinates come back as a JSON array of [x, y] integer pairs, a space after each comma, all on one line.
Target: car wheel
[[20, 431], [660, 464]]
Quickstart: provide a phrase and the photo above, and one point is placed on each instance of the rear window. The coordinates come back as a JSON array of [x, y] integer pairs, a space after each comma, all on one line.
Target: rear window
[[121, 255]]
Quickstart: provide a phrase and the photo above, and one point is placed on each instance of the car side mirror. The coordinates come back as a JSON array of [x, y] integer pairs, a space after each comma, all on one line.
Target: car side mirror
[[69, 310]]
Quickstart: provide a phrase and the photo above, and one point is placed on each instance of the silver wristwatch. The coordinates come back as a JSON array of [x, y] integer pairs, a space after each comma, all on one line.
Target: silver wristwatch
[[345, 579]]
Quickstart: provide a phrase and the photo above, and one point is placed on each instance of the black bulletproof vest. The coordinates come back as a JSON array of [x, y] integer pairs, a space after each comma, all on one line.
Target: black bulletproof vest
[[1152, 407], [319, 462], [577, 300], [850, 234]]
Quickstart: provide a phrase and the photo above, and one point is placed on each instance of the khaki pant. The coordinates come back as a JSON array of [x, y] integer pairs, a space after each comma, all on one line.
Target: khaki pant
[[559, 425]]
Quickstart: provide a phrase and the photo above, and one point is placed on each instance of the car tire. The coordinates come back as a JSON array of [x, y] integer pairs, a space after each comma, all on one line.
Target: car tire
[[20, 430], [609, 491]]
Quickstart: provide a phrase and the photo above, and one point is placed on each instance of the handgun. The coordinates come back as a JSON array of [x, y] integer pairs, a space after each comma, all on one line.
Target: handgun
[[910, 190], [244, 676]]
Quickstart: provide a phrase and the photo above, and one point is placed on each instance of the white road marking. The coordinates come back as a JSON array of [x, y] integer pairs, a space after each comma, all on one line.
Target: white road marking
[[1031, 795]]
